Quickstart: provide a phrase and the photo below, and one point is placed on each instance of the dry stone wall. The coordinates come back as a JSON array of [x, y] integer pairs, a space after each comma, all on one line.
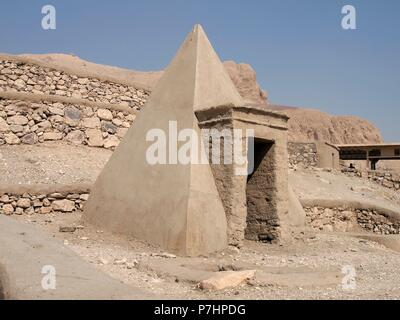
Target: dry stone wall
[[302, 155], [25, 122], [26, 203], [23, 77], [345, 220], [387, 179]]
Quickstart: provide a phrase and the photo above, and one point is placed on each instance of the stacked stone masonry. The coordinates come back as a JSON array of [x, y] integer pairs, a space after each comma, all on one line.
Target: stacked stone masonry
[[387, 179], [41, 203], [347, 220], [22, 77], [23, 122], [302, 155]]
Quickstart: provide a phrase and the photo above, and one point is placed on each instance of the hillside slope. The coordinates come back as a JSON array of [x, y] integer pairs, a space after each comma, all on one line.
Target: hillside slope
[[304, 125], [309, 125]]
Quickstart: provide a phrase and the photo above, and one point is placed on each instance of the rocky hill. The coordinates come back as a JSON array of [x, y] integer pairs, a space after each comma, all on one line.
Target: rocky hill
[[131, 88], [309, 125]]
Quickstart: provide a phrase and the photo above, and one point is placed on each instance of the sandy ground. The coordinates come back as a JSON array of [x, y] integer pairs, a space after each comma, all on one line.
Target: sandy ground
[[51, 163], [319, 184], [309, 267]]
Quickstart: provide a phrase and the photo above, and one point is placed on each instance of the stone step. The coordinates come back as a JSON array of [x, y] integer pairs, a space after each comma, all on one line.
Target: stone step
[[35, 266]]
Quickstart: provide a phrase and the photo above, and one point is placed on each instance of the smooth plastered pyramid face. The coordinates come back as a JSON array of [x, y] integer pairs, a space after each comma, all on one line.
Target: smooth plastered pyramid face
[[176, 206], [196, 77]]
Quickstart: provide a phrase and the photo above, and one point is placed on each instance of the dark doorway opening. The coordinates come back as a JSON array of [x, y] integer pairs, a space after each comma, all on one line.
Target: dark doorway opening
[[261, 220]]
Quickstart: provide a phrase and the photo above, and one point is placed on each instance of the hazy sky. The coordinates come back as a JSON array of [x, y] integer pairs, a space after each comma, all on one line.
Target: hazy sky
[[298, 48]]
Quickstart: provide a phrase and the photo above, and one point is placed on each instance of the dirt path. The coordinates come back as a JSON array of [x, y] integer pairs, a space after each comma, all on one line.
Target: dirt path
[[309, 268]]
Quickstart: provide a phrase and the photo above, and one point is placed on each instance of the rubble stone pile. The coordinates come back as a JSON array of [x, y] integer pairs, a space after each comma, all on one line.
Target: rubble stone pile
[[347, 220]]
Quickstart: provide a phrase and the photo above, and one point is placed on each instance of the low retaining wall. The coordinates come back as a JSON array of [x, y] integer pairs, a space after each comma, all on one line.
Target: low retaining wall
[[32, 122], [42, 199], [345, 220], [384, 178], [303, 155], [34, 78]]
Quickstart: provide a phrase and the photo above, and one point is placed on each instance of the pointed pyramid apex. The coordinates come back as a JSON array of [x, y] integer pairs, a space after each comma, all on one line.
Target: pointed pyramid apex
[[214, 86], [197, 76], [198, 28]]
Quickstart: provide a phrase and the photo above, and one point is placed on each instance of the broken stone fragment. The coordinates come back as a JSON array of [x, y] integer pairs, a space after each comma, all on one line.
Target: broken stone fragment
[[5, 199], [76, 137], [84, 196], [111, 142], [83, 81], [63, 205], [91, 123], [52, 136], [108, 127], [8, 209], [103, 261], [120, 261], [18, 120], [72, 114], [104, 114], [69, 229], [16, 128], [11, 139], [24, 203], [45, 210], [19, 211], [95, 138], [4, 127], [20, 84], [132, 264], [226, 279], [164, 255], [56, 111], [30, 138], [57, 195]]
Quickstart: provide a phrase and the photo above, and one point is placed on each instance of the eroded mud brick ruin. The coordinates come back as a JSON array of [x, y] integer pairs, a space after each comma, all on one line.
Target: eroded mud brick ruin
[[195, 209], [255, 204]]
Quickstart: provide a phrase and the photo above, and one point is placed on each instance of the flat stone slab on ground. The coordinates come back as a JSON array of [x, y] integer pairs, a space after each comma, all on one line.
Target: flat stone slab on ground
[[24, 251], [226, 279]]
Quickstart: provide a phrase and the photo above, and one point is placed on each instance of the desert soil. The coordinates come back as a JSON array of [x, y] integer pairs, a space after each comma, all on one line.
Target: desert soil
[[309, 267], [320, 184], [51, 163]]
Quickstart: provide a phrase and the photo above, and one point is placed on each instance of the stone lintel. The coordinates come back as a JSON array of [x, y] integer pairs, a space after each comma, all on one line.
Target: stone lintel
[[256, 115]]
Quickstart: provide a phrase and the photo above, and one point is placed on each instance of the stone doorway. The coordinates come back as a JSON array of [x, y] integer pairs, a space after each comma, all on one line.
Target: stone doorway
[[262, 220]]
